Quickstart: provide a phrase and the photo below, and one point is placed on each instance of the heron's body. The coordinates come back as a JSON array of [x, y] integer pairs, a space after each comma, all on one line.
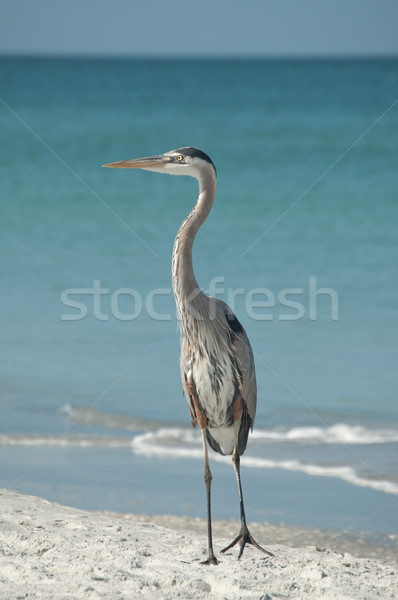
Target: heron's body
[[217, 366], [212, 382]]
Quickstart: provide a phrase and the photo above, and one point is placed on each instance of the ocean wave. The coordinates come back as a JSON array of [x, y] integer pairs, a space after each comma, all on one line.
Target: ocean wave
[[172, 441], [91, 416], [343, 472], [186, 442], [182, 443], [340, 433], [334, 434], [81, 441]]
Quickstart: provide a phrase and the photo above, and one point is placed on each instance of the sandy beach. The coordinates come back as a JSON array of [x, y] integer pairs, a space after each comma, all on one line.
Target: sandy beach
[[53, 551]]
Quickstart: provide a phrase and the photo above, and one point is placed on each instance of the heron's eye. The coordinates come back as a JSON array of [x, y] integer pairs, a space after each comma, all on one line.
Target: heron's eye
[[179, 158]]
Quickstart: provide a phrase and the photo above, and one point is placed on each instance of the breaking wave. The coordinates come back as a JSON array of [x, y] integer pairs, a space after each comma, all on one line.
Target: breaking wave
[[288, 447], [335, 434], [184, 443]]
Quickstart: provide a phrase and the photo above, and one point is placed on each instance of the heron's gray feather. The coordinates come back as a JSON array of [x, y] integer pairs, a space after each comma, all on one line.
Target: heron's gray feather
[[217, 368]]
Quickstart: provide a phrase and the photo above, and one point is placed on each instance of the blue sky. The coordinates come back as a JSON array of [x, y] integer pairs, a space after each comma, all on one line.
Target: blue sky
[[199, 27]]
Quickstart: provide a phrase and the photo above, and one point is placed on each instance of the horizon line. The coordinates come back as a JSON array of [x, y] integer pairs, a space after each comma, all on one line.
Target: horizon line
[[76, 55]]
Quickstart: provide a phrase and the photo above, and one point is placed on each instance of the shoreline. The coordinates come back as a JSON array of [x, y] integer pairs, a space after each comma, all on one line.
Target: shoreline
[[52, 551], [360, 544]]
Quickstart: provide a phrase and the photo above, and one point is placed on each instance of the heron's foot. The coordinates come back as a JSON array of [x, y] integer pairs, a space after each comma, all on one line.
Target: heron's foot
[[211, 560], [244, 538]]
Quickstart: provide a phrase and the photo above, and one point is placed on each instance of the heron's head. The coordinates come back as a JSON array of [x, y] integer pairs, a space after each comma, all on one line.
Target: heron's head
[[183, 161]]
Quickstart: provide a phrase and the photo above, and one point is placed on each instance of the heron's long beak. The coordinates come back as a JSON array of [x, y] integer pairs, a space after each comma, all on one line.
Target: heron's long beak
[[148, 162]]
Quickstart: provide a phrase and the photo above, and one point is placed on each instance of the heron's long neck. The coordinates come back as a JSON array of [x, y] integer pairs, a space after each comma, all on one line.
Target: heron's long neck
[[186, 289]]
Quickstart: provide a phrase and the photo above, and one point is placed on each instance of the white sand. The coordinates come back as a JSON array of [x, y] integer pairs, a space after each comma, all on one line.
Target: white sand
[[52, 551]]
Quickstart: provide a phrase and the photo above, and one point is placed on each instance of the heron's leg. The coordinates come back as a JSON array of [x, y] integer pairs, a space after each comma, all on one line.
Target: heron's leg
[[244, 536], [211, 560]]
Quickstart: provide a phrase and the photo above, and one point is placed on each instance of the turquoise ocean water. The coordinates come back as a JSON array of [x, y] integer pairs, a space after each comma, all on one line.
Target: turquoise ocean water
[[302, 241]]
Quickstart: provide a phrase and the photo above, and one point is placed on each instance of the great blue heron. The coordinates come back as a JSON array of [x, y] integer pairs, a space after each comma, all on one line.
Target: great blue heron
[[217, 366]]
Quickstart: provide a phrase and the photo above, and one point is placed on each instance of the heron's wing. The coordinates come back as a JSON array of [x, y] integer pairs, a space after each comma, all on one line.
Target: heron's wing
[[246, 373], [186, 378]]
